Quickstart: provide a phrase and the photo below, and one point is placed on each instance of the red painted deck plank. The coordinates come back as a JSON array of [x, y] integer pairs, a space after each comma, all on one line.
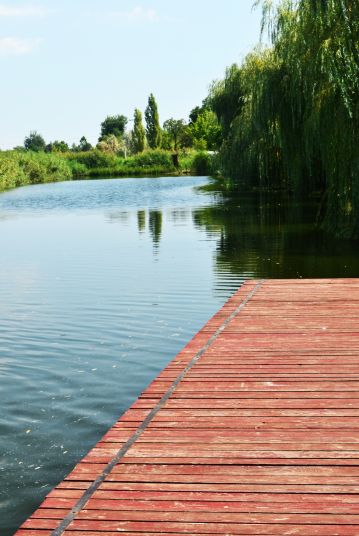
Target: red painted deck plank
[[259, 436]]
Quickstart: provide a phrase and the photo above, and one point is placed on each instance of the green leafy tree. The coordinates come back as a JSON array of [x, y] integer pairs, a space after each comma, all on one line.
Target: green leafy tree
[[126, 144], [139, 133], [110, 144], [84, 145], [34, 142], [206, 131], [187, 137], [57, 147], [198, 110], [194, 114], [166, 141], [175, 128], [113, 125], [153, 129], [290, 114], [227, 98]]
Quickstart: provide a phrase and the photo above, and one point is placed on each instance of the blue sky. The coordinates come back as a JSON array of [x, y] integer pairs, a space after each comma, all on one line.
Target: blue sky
[[66, 65]]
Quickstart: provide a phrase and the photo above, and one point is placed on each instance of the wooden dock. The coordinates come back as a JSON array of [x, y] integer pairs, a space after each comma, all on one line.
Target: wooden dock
[[252, 429]]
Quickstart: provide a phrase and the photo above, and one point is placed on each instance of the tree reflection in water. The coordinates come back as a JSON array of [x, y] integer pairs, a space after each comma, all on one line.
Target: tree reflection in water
[[272, 235], [155, 226]]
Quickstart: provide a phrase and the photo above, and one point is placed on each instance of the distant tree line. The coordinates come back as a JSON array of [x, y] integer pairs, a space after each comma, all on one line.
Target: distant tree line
[[202, 131]]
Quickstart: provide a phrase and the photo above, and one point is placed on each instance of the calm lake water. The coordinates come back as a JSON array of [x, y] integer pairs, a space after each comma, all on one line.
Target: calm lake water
[[102, 283]]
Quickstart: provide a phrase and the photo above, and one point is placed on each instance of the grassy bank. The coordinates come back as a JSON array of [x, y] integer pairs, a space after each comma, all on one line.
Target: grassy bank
[[21, 168]]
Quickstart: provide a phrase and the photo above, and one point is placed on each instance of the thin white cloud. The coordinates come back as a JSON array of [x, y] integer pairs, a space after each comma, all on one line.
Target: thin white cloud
[[137, 14], [22, 11], [15, 46]]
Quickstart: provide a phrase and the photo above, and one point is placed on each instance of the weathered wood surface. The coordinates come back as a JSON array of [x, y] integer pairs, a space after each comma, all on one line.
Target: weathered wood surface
[[259, 436]]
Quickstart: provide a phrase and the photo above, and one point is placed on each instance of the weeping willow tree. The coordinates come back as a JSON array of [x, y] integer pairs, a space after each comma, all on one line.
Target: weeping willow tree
[[290, 112]]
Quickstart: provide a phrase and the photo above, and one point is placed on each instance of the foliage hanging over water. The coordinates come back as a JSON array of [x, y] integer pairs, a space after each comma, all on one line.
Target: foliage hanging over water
[[290, 113]]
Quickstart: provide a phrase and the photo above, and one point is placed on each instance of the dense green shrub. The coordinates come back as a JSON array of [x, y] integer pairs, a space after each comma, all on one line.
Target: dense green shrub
[[11, 174], [130, 171], [41, 167], [93, 159], [156, 157], [20, 168], [202, 164], [78, 169], [97, 163]]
